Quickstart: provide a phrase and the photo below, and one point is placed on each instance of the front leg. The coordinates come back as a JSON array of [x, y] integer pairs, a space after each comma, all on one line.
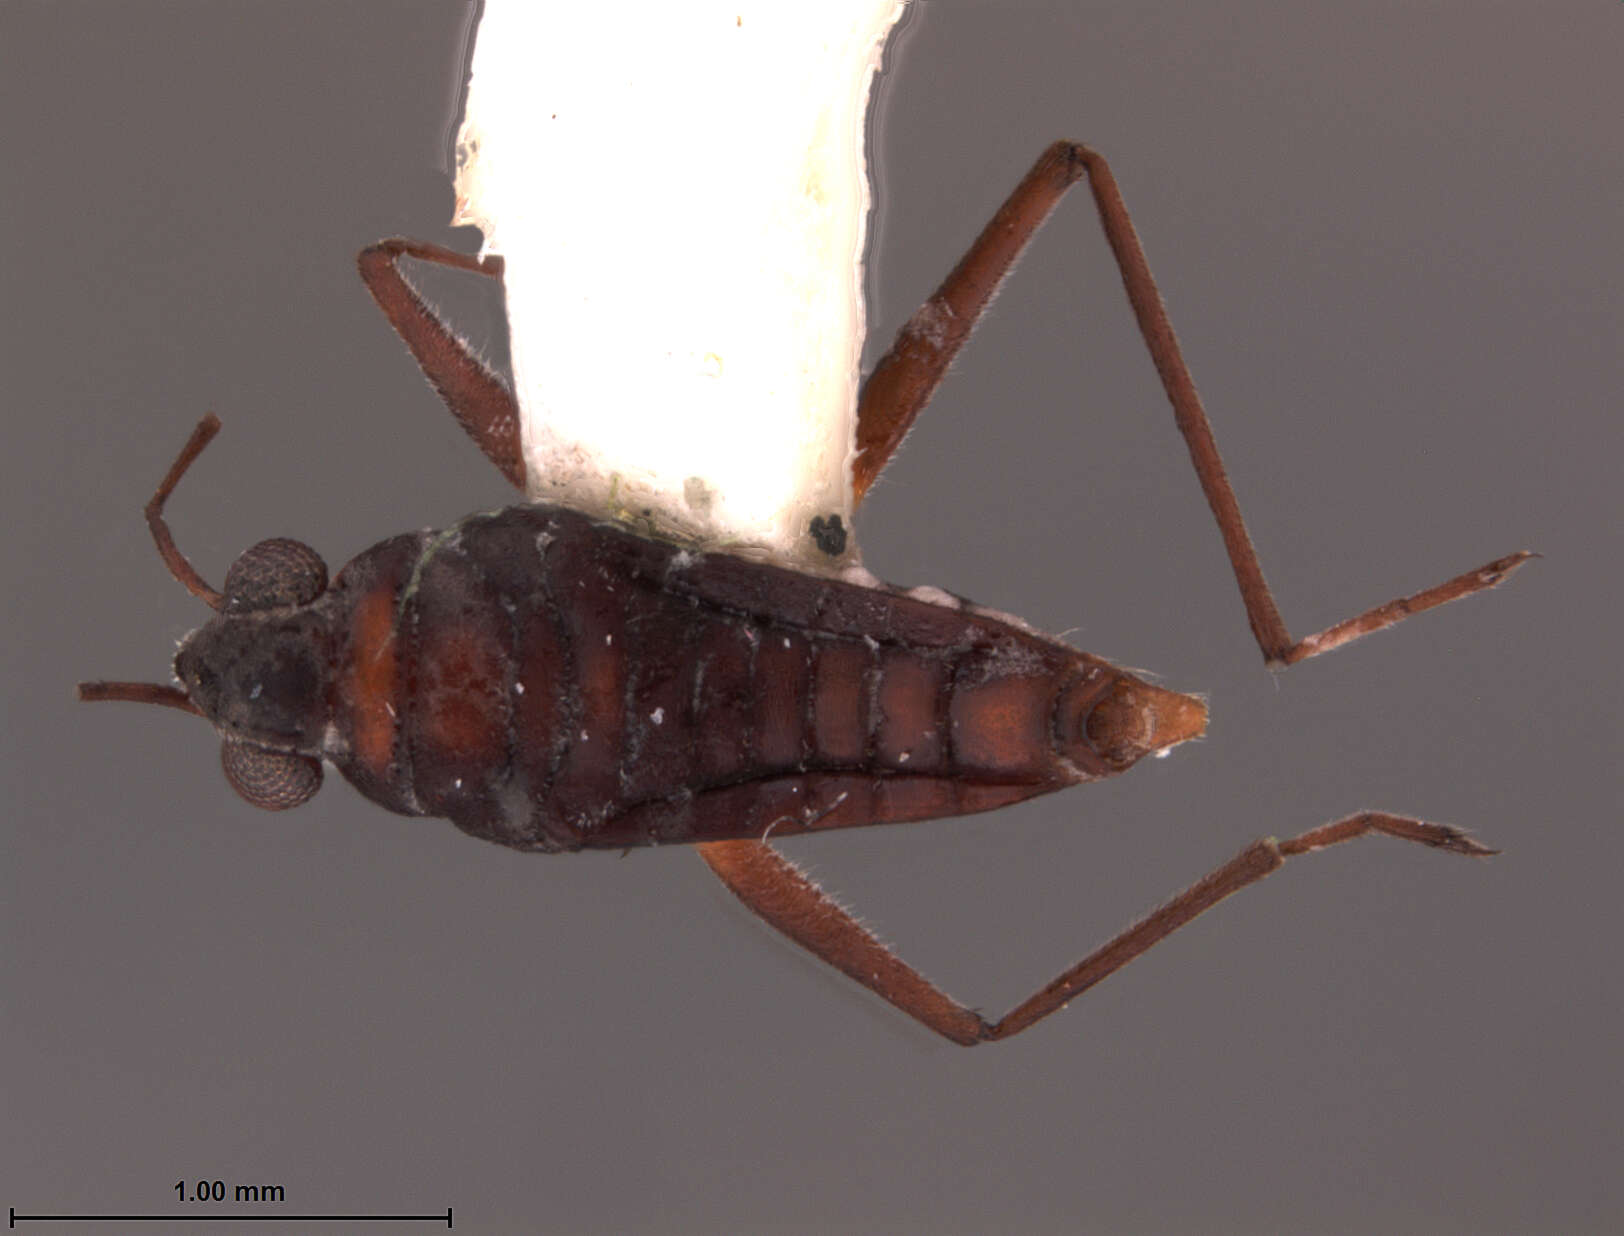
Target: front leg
[[481, 401], [775, 889]]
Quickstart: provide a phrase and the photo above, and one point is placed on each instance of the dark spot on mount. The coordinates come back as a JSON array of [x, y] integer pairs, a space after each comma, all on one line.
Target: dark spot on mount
[[829, 535]]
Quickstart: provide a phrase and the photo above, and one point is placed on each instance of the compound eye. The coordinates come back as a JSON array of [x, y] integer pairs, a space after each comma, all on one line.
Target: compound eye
[[275, 573], [274, 780]]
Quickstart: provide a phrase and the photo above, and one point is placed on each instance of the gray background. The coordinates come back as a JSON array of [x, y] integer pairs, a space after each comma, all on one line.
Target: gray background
[[1389, 237]]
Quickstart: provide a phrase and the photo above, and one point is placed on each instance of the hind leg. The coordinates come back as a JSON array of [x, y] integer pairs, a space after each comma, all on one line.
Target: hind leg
[[906, 377]]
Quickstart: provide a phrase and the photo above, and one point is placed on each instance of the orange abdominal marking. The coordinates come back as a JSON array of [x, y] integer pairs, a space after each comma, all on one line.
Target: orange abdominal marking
[[370, 681]]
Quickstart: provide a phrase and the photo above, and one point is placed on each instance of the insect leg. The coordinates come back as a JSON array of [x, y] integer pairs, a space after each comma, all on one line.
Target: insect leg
[[481, 401], [774, 889], [907, 376], [1261, 612], [1257, 860]]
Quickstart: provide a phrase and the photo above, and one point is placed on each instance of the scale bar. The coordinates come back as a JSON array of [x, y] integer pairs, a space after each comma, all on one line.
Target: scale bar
[[196, 1217]]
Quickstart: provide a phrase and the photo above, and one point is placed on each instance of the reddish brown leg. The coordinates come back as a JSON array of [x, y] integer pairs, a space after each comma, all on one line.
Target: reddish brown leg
[[776, 890], [480, 401], [903, 381], [908, 375]]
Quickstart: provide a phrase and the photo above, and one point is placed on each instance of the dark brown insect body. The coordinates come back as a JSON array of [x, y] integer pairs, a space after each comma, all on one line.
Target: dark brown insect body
[[553, 683]]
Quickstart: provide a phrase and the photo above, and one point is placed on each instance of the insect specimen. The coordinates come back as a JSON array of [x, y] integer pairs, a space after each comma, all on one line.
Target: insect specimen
[[551, 682]]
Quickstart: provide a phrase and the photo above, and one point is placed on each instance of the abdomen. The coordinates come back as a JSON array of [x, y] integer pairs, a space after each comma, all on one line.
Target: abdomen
[[550, 682]]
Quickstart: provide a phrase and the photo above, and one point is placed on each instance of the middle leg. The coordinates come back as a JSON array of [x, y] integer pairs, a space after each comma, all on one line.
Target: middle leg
[[774, 889]]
